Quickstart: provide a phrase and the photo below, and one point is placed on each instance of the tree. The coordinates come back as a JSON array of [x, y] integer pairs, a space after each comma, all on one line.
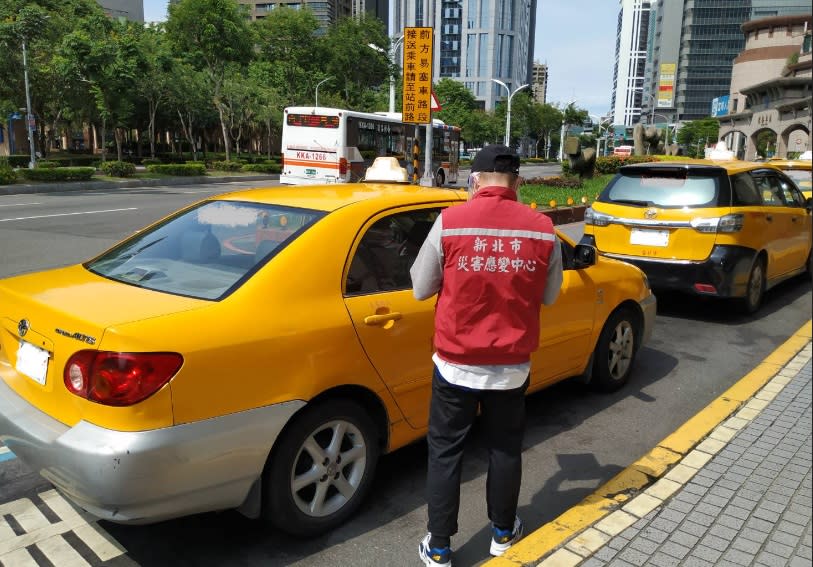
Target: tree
[[104, 54], [548, 121], [154, 86], [696, 134], [347, 45], [213, 34], [286, 41]]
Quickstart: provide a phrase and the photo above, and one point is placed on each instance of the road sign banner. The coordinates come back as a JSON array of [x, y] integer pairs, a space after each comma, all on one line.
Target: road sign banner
[[417, 99]]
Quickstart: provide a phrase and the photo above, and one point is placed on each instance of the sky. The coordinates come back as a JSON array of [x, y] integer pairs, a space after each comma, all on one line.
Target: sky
[[576, 38]]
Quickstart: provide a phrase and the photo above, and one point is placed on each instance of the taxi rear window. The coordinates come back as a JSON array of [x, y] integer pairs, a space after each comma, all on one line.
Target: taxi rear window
[[674, 188], [206, 251]]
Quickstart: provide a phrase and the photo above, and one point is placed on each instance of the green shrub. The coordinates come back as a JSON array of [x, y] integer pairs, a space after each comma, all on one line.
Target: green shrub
[[610, 164], [118, 168], [151, 161], [7, 173], [263, 167], [19, 160], [227, 165], [45, 164], [59, 174], [180, 169]]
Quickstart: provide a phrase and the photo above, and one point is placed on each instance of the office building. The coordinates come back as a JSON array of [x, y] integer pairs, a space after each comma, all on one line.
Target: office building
[[326, 12], [770, 88], [630, 61], [539, 82], [691, 48], [476, 41], [132, 10]]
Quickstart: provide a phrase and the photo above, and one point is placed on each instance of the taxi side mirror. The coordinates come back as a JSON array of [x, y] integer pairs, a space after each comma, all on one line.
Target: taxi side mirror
[[809, 204], [584, 256]]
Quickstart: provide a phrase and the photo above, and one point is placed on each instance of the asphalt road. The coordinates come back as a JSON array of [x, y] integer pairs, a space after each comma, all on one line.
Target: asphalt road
[[576, 440]]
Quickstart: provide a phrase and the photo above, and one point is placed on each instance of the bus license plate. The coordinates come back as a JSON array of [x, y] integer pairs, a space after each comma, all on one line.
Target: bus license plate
[[649, 237], [32, 361], [310, 172]]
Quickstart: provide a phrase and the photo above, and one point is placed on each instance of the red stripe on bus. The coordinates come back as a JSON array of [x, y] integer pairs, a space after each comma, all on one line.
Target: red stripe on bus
[[309, 162]]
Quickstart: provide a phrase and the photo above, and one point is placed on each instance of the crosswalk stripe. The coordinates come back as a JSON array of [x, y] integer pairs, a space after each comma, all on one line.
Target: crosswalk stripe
[[94, 537], [60, 553], [19, 558], [48, 537]]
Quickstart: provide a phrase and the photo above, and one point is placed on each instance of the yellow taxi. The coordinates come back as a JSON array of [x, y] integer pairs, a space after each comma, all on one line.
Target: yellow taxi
[[729, 229], [799, 170], [259, 350]]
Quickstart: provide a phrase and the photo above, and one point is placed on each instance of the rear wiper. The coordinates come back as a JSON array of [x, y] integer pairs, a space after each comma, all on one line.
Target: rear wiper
[[633, 202]]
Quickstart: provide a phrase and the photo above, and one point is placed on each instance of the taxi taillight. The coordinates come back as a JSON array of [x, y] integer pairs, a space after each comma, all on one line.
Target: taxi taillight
[[343, 166], [119, 378]]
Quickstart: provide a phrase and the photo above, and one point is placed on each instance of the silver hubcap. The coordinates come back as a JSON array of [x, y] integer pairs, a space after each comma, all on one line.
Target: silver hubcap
[[329, 468], [755, 286], [622, 342]]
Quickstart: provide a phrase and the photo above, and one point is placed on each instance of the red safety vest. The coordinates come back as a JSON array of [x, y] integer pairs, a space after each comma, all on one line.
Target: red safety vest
[[496, 253]]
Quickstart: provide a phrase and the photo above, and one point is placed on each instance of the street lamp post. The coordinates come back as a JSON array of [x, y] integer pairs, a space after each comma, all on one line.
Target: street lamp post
[[508, 112], [562, 133], [393, 52], [598, 137], [29, 118], [317, 89]]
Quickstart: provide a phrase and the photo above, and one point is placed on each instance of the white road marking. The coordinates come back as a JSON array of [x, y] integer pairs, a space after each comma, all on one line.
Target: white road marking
[[19, 558], [20, 204], [70, 214], [59, 552], [48, 537]]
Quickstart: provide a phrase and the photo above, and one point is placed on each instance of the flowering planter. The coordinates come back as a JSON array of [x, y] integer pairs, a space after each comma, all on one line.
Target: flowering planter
[[564, 215]]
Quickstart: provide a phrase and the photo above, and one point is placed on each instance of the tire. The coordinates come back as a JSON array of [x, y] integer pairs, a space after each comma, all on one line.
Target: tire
[[440, 179], [755, 289], [615, 351], [809, 268], [304, 497]]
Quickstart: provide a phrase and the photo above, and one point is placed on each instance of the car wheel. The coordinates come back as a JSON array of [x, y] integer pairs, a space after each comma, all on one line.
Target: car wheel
[[615, 351], [440, 179], [755, 289], [322, 469], [810, 264]]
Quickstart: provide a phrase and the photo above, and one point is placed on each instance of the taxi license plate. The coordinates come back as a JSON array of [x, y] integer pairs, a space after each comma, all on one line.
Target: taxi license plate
[[649, 237], [32, 361]]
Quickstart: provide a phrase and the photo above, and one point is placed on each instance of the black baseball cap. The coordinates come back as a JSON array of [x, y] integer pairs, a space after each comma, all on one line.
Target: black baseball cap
[[496, 158]]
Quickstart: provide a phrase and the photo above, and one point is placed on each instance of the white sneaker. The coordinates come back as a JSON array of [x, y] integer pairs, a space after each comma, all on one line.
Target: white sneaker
[[502, 540], [434, 557]]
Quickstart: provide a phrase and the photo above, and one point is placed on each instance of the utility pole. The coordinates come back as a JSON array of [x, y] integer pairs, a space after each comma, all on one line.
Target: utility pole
[[29, 118]]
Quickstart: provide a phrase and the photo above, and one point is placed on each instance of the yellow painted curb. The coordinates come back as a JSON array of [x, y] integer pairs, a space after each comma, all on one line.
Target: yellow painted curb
[[649, 468]]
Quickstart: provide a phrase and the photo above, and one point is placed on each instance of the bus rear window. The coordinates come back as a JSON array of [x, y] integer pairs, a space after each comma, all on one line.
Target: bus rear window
[[313, 120]]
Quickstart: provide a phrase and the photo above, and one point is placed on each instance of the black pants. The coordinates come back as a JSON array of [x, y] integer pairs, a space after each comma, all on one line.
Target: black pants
[[451, 415]]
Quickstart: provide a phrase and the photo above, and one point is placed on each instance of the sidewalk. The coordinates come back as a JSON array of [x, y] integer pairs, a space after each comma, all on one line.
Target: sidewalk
[[730, 487]]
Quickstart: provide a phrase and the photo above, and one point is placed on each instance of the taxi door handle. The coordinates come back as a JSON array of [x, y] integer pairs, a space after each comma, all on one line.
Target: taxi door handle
[[383, 318], [769, 218], [793, 219]]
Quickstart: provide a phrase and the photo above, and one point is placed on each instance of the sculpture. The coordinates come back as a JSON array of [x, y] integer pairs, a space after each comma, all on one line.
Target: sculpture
[[582, 161]]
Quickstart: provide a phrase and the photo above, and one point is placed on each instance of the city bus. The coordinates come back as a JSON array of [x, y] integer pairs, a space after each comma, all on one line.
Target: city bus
[[333, 145]]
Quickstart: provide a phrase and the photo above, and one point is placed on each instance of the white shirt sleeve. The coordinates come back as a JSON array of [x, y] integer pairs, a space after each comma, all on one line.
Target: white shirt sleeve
[[554, 282], [427, 270]]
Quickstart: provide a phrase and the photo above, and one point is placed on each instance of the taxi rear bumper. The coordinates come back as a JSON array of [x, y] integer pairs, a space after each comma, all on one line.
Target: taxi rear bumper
[[723, 274]]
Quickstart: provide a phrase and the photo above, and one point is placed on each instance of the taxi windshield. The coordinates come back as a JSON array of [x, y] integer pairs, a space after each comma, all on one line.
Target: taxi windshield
[[206, 251]]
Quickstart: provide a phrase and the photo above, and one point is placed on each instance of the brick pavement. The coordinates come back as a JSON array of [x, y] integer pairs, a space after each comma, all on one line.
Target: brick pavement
[[742, 497]]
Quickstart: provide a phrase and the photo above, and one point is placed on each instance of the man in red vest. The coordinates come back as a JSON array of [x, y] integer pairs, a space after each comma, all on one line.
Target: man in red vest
[[493, 262]]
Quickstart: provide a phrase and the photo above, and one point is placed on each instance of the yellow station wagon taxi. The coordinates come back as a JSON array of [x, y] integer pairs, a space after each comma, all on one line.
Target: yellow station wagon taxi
[[716, 228], [800, 170], [259, 350]]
